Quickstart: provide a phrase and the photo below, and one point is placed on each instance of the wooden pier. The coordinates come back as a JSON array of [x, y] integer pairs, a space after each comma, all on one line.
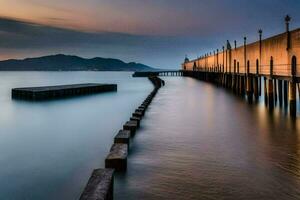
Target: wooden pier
[[60, 91], [269, 63]]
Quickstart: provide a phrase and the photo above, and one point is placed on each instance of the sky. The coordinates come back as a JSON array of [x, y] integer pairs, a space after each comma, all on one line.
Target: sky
[[158, 33]]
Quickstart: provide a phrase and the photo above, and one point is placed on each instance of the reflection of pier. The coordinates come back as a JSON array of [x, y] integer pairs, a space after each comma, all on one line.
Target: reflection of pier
[[272, 60], [159, 73]]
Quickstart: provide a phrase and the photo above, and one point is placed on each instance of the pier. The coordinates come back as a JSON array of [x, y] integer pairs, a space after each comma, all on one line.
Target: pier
[[158, 73], [60, 91], [270, 63]]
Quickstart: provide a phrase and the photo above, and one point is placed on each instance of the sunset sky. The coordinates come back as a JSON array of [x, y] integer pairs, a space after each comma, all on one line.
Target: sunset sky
[[155, 32]]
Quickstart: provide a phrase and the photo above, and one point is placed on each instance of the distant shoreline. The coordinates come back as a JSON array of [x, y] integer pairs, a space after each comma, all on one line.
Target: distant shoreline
[[61, 62]]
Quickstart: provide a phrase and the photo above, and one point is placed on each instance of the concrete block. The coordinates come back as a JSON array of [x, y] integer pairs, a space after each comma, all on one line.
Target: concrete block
[[117, 157], [123, 137], [100, 185]]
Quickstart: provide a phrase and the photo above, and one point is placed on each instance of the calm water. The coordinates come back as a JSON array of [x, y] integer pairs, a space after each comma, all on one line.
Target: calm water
[[198, 141], [49, 149]]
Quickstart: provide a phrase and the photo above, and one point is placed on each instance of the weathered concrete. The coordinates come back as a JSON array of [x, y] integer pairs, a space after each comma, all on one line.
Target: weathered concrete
[[123, 137], [146, 105], [60, 91], [100, 185], [132, 126], [137, 119], [271, 94], [280, 92], [117, 157], [142, 107], [292, 98], [137, 114], [141, 110]]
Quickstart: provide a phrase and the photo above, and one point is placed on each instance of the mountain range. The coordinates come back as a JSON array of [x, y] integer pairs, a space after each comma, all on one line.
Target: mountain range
[[61, 62]]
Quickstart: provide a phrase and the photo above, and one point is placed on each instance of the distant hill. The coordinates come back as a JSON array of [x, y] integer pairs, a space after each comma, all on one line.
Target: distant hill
[[62, 62]]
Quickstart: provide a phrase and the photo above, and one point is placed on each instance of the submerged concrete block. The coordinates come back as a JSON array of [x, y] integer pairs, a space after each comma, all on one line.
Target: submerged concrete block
[[117, 157], [142, 107], [123, 137], [149, 98], [100, 185], [141, 110], [131, 125], [147, 102], [137, 119], [137, 114]]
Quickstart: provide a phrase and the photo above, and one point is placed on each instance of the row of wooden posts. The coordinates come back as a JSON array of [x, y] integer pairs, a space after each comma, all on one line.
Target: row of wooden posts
[[100, 184], [282, 90]]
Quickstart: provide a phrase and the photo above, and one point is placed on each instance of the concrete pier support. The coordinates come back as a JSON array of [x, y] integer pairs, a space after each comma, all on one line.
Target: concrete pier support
[[249, 88], [275, 90], [285, 93], [256, 92], [292, 98], [259, 87], [270, 93], [242, 85], [265, 91], [280, 92], [235, 83], [239, 84]]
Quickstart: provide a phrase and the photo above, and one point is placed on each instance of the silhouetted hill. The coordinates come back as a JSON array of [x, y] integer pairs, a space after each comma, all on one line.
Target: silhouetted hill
[[62, 62]]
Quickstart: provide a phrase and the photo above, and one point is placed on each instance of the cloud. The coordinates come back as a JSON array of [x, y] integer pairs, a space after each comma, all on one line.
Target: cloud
[[163, 31], [28, 39]]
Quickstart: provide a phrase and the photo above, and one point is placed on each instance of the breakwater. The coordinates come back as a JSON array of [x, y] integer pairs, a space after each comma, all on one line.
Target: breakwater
[[100, 184]]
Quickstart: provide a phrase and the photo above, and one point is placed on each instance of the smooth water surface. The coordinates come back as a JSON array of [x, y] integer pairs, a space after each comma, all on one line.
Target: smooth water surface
[[198, 141], [49, 149]]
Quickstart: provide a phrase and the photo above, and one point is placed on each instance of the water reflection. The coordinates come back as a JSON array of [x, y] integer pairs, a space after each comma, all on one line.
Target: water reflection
[[48, 149], [199, 141]]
